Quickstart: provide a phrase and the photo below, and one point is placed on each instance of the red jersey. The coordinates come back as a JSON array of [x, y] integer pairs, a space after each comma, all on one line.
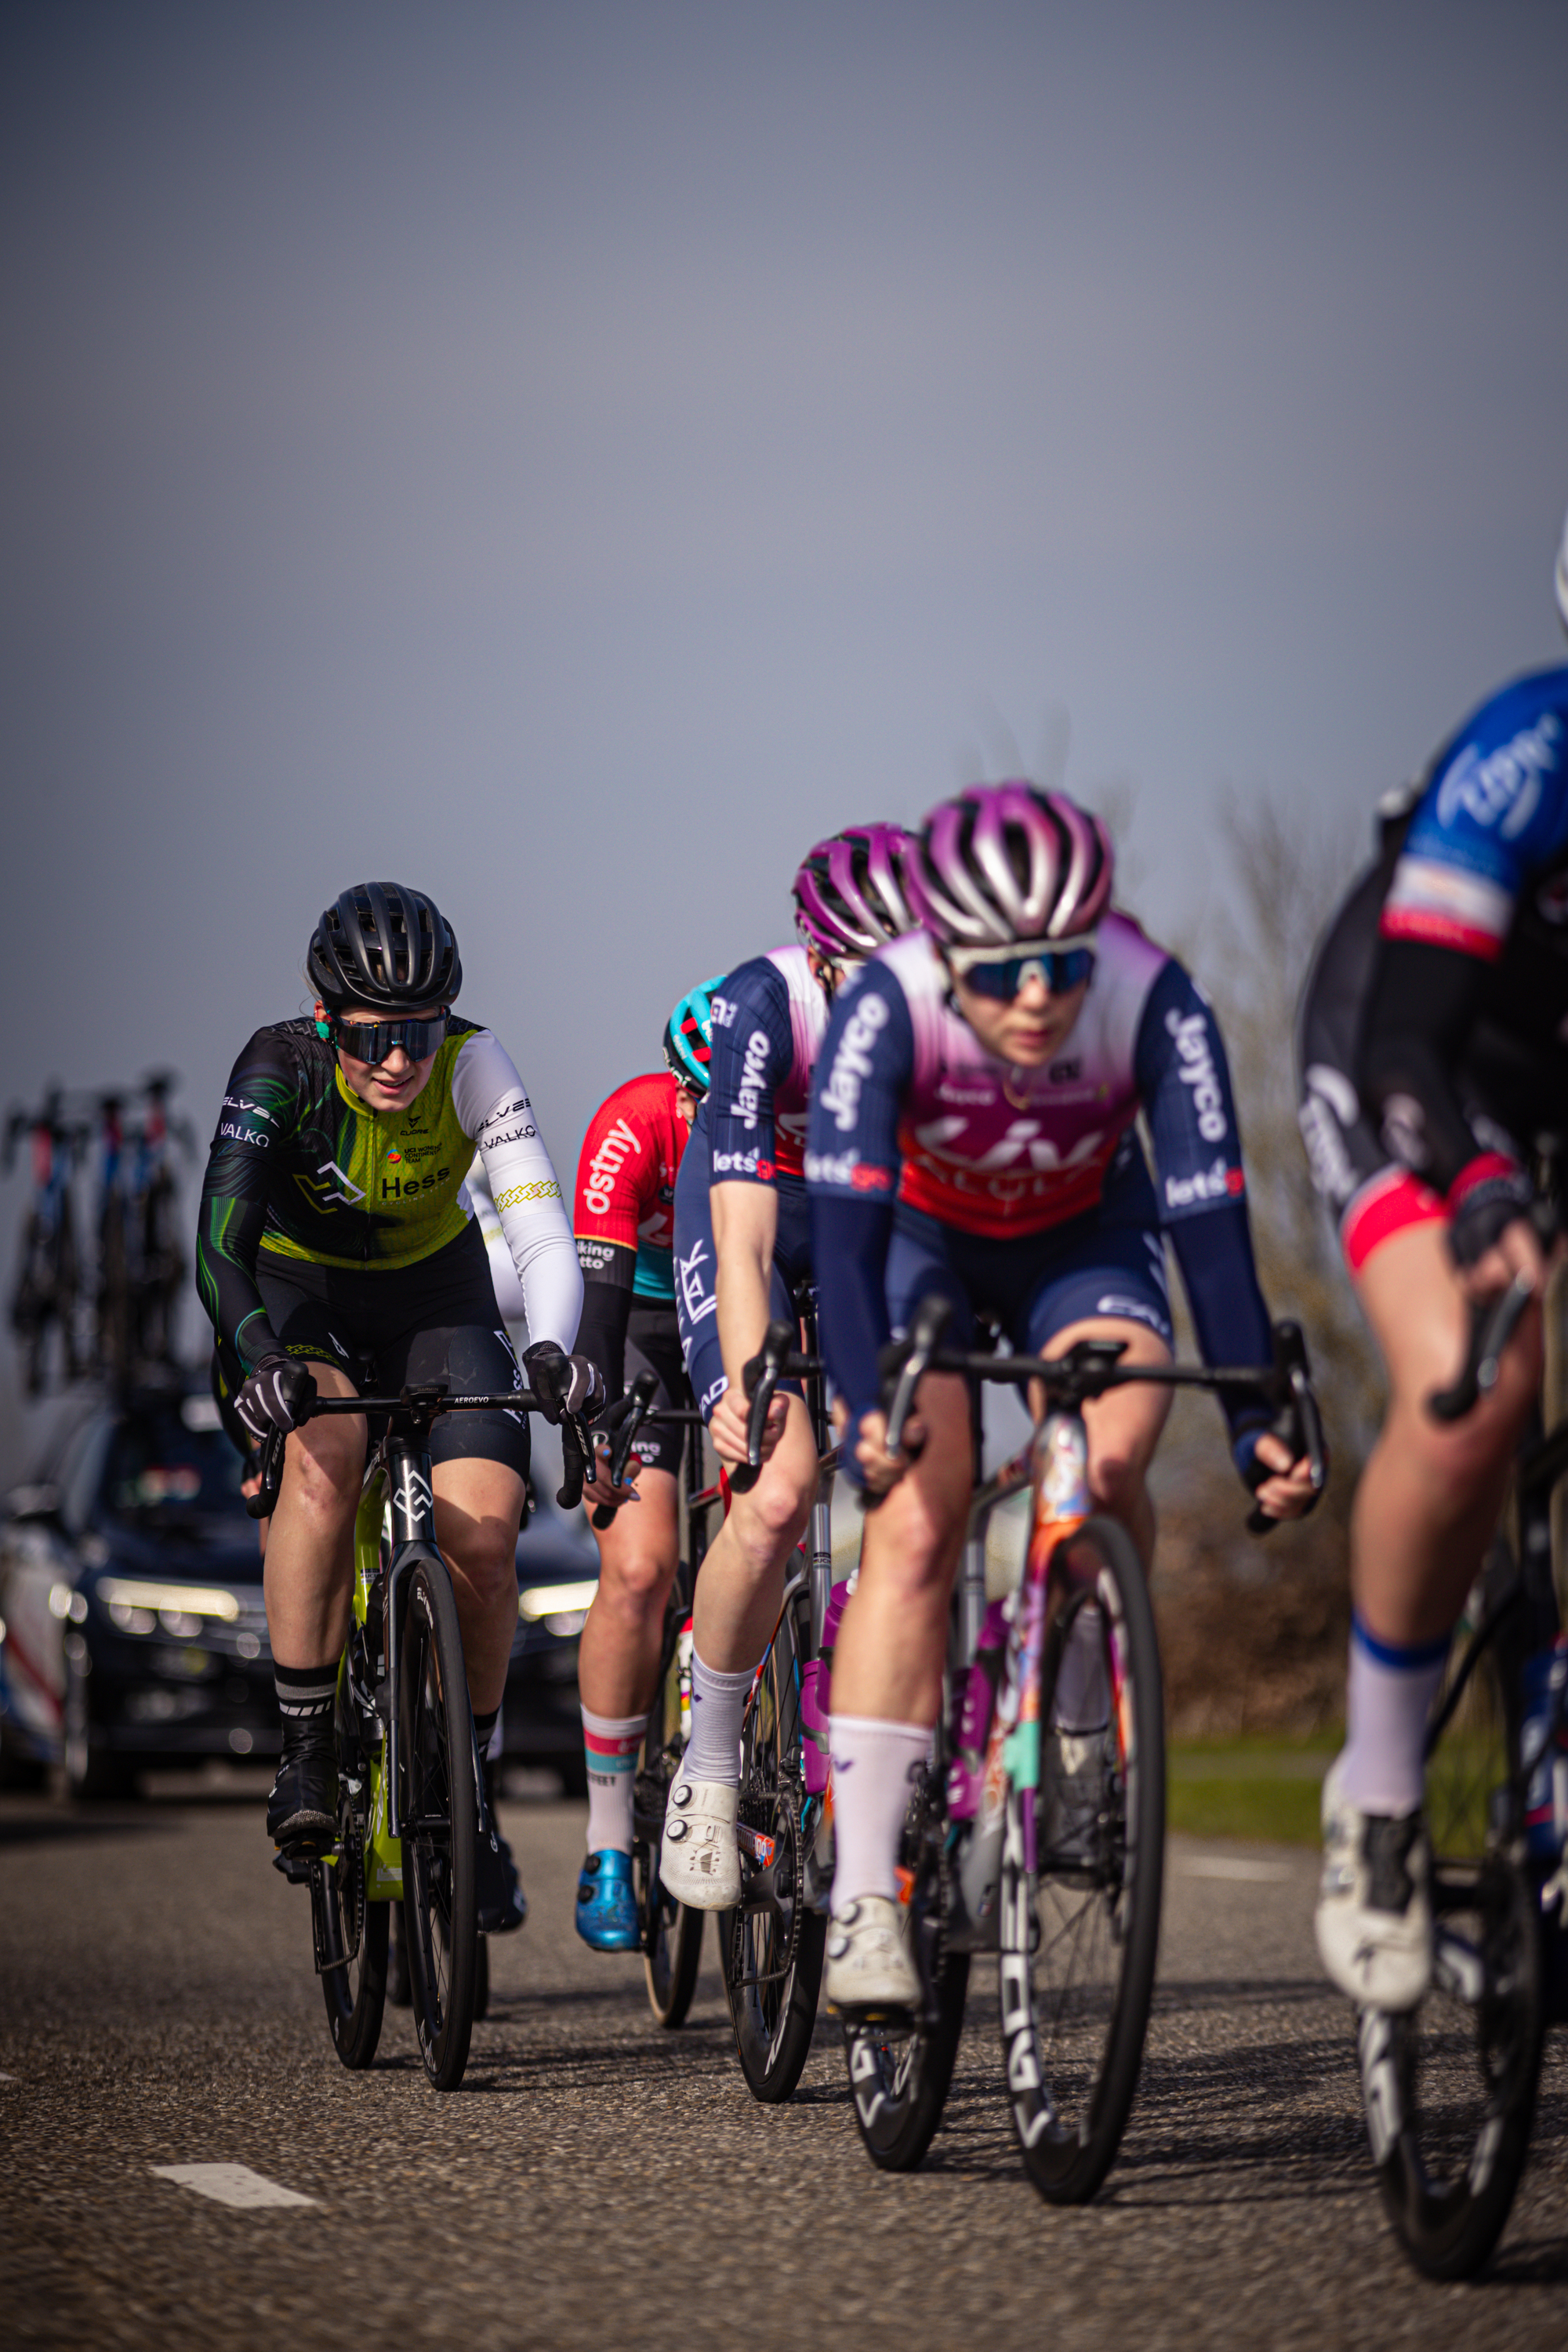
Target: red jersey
[[622, 1204]]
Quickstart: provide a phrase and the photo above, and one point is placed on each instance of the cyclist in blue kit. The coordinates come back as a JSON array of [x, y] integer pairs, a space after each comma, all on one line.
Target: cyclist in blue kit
[[973, 1134], [1433, 1057], [742, 1243]]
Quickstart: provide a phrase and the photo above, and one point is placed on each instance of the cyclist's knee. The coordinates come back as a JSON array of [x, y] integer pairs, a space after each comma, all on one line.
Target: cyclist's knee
[[634, 1585], [323, 1466], [773, 1515], [1116, 1483]]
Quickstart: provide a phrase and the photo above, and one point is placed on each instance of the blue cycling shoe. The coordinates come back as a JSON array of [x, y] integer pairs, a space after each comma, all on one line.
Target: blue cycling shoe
[[606, 1906]]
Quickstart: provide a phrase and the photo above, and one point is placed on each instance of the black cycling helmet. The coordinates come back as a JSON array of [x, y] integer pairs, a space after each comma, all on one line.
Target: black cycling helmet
[[383, 947]]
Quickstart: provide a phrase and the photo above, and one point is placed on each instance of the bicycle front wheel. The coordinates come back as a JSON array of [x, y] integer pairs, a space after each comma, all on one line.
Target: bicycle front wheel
[[440, 1817], [1449, 2086], [355, 1993], [771, 1946], [1083, 1868]]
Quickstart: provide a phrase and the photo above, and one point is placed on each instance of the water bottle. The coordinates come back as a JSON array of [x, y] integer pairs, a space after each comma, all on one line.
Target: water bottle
[[966, 1774], [1543, 1752]]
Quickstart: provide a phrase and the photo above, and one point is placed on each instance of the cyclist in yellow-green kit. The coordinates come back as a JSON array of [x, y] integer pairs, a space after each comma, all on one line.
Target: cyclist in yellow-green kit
[[335, 1247]]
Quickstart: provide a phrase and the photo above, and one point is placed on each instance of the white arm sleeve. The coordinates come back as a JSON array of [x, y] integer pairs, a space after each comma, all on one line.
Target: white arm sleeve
[[494, 1111], [475, 1199]]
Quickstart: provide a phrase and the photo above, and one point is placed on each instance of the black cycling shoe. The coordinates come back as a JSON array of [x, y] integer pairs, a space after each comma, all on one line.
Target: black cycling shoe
[[502, 1905], [302, 1810]]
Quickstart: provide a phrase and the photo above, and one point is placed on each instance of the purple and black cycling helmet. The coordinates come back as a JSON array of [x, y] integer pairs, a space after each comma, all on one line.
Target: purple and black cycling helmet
[[849, 897], [1008, 862]]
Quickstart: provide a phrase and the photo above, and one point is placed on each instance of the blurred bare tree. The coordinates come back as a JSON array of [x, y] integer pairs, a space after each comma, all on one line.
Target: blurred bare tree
[[1254, 1632]]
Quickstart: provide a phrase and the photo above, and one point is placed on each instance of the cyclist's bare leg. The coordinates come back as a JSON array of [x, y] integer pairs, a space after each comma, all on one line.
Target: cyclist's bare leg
[[1430, 1494], [308, 1571], [1426, 1507], [479, 1508], [617, 1659], [1124, 1426], [892, 1642], [739, 1590]]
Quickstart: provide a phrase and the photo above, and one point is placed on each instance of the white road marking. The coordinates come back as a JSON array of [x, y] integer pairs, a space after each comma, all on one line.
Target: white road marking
[[230, 2184], [1225, 1865]]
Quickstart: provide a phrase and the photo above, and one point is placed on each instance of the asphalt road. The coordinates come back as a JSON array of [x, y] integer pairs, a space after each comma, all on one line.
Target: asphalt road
[[597, 2182]]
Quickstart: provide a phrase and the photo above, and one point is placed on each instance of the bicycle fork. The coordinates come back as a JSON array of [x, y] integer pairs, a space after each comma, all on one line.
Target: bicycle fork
[[998, 1719]]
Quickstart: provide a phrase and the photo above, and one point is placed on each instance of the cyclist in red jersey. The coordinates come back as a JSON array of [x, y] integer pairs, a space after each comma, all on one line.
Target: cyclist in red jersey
[[623, 1217]]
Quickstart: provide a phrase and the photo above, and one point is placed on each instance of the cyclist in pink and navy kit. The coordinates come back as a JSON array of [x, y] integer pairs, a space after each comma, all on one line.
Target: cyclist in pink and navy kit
[[741, 1247], [973, 1134]]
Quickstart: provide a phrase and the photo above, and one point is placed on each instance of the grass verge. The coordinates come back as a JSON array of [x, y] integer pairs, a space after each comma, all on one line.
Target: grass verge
[[1247, 1787]]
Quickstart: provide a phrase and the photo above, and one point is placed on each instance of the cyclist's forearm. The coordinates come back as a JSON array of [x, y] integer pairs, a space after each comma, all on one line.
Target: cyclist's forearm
[[849, 1246], [745, 1227], [228, 1236], [1214, 1249], [602, 1331]]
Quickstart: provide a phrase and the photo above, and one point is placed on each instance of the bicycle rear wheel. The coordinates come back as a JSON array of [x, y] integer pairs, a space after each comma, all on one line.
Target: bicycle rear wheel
[[770, 1945], [1080, 1929], [440, 1816], [1449, 2086], [900, 2081]]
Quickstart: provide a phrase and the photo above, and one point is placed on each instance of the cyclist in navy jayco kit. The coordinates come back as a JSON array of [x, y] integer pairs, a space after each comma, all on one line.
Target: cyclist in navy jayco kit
[[741, 1241], [973, 1134]]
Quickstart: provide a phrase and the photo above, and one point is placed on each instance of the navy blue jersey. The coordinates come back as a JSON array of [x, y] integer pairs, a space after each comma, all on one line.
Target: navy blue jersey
[[767, 1026]]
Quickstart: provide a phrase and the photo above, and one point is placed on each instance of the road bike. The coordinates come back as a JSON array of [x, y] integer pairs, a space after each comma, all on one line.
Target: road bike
[[771, 1944], [412, 1802], [1449, 2086], [1037, 1829], [48, 1275], [140, 1261]]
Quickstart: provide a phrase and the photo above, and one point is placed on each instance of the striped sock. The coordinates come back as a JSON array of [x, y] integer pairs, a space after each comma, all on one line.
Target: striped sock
[[610, 1743], [305, 1697]]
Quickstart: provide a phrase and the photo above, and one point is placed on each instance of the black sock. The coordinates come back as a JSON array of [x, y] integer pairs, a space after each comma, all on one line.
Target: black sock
[[306, 1696], [484, 1725]]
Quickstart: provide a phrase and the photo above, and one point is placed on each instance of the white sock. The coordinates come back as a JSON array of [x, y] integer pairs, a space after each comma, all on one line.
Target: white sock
[[1388, 1698], [718, 1703], [610, 1743], [1081, 1700], [873, 1764]]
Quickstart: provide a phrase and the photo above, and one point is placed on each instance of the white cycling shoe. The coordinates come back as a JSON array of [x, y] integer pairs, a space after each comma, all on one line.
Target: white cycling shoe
[[699, 1859], [1374, 1916], [869, 1963]]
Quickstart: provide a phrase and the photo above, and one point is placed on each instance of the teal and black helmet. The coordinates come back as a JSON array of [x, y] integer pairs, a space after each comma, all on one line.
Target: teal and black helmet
[[688, 1035]]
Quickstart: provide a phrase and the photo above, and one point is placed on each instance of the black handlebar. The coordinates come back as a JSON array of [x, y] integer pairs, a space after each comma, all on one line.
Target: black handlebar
[[779, 1359], [1092, 1367], [417, 1409]]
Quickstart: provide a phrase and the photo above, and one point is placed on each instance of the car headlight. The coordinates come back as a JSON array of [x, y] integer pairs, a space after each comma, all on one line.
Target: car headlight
[[135, 1606], [562, 1607]]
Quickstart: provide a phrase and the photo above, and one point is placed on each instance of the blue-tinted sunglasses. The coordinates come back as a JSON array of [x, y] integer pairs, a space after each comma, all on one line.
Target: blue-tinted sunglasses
[[1002, 977]]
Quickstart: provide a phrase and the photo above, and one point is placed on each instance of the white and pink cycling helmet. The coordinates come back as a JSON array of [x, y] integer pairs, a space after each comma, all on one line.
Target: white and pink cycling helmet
[[1005, 862], [1562, 581], [849, 899]]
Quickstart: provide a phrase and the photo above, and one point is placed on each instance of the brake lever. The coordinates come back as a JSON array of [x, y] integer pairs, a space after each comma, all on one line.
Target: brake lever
[[638, 1402], [264, 1502], [906, 1365], [575, 1448], [759, 1379], [1292, 1385], [1492, 1326]]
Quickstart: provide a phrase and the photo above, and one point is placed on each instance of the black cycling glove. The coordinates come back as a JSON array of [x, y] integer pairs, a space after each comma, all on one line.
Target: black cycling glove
[[1486, 1198], [562, 1384], [273, 1396]]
